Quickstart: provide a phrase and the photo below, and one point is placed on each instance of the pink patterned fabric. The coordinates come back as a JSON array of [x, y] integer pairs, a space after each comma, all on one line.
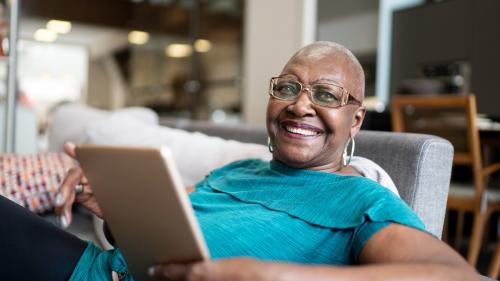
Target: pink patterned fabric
[[33, 180]]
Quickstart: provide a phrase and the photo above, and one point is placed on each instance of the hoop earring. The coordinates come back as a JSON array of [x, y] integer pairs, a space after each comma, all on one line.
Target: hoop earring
[[269, 145], [346, 159]]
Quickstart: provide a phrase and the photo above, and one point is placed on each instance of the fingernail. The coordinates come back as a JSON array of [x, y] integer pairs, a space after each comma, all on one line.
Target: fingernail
[[70, 145], [59, 199], [63, 222], [151, 271]]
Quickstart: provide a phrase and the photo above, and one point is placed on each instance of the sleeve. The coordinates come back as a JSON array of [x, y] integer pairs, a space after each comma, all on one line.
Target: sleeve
[[98, 265], [362, 234]]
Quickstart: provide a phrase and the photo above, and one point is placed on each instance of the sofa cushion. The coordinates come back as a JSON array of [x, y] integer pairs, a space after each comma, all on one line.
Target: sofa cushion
[[69, 122], [32, 180]]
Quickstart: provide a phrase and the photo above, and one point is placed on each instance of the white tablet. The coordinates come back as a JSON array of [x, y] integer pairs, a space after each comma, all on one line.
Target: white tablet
[[144, 204]]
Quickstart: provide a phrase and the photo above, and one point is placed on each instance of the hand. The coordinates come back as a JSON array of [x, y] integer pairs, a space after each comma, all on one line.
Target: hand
[[66, 195], [234, 269]]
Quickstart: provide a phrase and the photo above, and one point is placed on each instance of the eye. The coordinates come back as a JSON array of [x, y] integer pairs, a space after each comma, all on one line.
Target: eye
[[324, 96], [286, 89]]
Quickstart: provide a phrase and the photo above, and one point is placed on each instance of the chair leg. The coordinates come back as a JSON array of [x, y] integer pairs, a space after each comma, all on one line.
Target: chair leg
[[475, 239], [459, 229], [494, 268]]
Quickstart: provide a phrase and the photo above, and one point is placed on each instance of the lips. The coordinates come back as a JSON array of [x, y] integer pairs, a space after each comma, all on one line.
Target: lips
[[300, 129]]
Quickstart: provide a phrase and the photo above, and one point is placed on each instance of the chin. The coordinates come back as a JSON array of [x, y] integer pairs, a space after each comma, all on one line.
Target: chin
[[294, 159]]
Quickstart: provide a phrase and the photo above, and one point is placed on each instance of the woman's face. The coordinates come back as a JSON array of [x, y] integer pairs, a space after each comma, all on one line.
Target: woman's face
[[305, 135]]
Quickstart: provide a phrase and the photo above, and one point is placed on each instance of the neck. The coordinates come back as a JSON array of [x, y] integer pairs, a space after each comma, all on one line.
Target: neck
[[334, 168], [343, 170]]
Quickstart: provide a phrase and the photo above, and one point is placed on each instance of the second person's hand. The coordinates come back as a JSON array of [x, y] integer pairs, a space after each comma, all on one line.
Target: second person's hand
[[67, 195]]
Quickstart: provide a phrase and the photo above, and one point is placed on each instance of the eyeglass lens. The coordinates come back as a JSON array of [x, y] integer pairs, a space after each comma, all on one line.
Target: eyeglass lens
[[321, 93]]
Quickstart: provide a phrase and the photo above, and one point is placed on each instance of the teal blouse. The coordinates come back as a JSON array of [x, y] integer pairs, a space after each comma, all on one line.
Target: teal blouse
[[270, 211]]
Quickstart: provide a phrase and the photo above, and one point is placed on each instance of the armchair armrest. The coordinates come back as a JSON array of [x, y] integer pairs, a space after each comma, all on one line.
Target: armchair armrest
[[420, 166]]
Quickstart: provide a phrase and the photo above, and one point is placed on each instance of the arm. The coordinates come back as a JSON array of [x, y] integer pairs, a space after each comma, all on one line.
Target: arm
[[394, 253]]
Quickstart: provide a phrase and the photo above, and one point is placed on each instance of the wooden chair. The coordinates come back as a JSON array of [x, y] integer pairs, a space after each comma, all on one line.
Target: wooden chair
[[494, 267], [445, 115]]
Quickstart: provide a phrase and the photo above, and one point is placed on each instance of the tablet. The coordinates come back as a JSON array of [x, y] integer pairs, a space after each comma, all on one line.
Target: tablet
[[144, 204]]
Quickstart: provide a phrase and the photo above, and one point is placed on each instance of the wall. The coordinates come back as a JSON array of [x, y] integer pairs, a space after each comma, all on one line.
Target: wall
[[107, 86], [273, 32], [99, 88], [458, 30], [336, 9], [357, 32]]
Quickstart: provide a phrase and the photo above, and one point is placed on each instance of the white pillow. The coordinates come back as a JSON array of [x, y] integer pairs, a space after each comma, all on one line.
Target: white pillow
[[69, 122]]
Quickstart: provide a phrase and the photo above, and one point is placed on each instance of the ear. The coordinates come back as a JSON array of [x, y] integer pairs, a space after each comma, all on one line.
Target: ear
[[357, 120]]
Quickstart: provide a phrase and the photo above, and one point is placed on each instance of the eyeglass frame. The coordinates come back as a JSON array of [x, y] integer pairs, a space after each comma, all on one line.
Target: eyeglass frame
[[345, 100]]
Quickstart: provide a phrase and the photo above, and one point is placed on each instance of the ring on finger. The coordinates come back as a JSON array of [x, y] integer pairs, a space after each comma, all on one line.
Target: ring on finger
[[79, 188]]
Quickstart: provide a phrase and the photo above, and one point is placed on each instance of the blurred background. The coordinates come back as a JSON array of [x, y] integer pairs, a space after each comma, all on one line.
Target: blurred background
[[212, 59]]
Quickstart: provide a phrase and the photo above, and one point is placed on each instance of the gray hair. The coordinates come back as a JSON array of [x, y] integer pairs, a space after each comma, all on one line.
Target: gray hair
[[321, 49]]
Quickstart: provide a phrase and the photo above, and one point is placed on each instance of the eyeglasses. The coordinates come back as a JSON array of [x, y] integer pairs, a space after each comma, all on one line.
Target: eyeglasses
[[322, 94]]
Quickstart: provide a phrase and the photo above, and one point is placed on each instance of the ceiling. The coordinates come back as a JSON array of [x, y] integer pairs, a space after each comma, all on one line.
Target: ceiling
[[161, 16], [99, 40], [103, 25]]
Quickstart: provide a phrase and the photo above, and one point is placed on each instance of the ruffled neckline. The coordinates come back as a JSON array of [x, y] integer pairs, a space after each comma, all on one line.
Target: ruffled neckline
[[319, 198]]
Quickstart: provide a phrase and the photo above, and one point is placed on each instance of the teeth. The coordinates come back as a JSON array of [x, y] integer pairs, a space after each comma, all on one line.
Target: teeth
[[300, 131]]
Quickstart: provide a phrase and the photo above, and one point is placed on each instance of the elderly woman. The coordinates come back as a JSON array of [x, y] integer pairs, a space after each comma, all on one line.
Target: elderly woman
[[306, 215]]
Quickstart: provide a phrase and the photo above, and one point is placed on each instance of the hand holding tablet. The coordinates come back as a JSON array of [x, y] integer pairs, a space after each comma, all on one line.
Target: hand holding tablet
[[145, 205]]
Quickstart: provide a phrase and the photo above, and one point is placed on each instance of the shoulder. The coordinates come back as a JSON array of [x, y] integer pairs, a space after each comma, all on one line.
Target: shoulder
[[368, 201], [350, 171], [369, 169]]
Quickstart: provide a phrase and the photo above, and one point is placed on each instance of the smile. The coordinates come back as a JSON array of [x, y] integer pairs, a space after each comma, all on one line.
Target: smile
[[301, 131]]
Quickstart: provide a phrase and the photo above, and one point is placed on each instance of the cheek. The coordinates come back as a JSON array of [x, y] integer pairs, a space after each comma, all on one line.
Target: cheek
[[331, 119], [338, 123], [274, 109]]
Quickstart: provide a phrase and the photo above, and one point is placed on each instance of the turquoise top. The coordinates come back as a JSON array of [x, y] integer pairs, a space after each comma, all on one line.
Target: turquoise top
[[270, 211]]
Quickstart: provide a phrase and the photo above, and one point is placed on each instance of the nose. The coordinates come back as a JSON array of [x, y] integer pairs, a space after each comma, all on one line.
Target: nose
[[303, 106]]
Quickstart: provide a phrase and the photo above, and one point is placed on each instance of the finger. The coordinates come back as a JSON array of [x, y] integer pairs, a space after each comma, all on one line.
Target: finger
[[155, 272], [69, 148], [66, 196], [64, 215], [72, 178], [67, 215], [172, 272]]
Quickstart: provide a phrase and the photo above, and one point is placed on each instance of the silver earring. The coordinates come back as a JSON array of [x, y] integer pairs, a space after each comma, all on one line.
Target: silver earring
[[346, 159], [269, 145]]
